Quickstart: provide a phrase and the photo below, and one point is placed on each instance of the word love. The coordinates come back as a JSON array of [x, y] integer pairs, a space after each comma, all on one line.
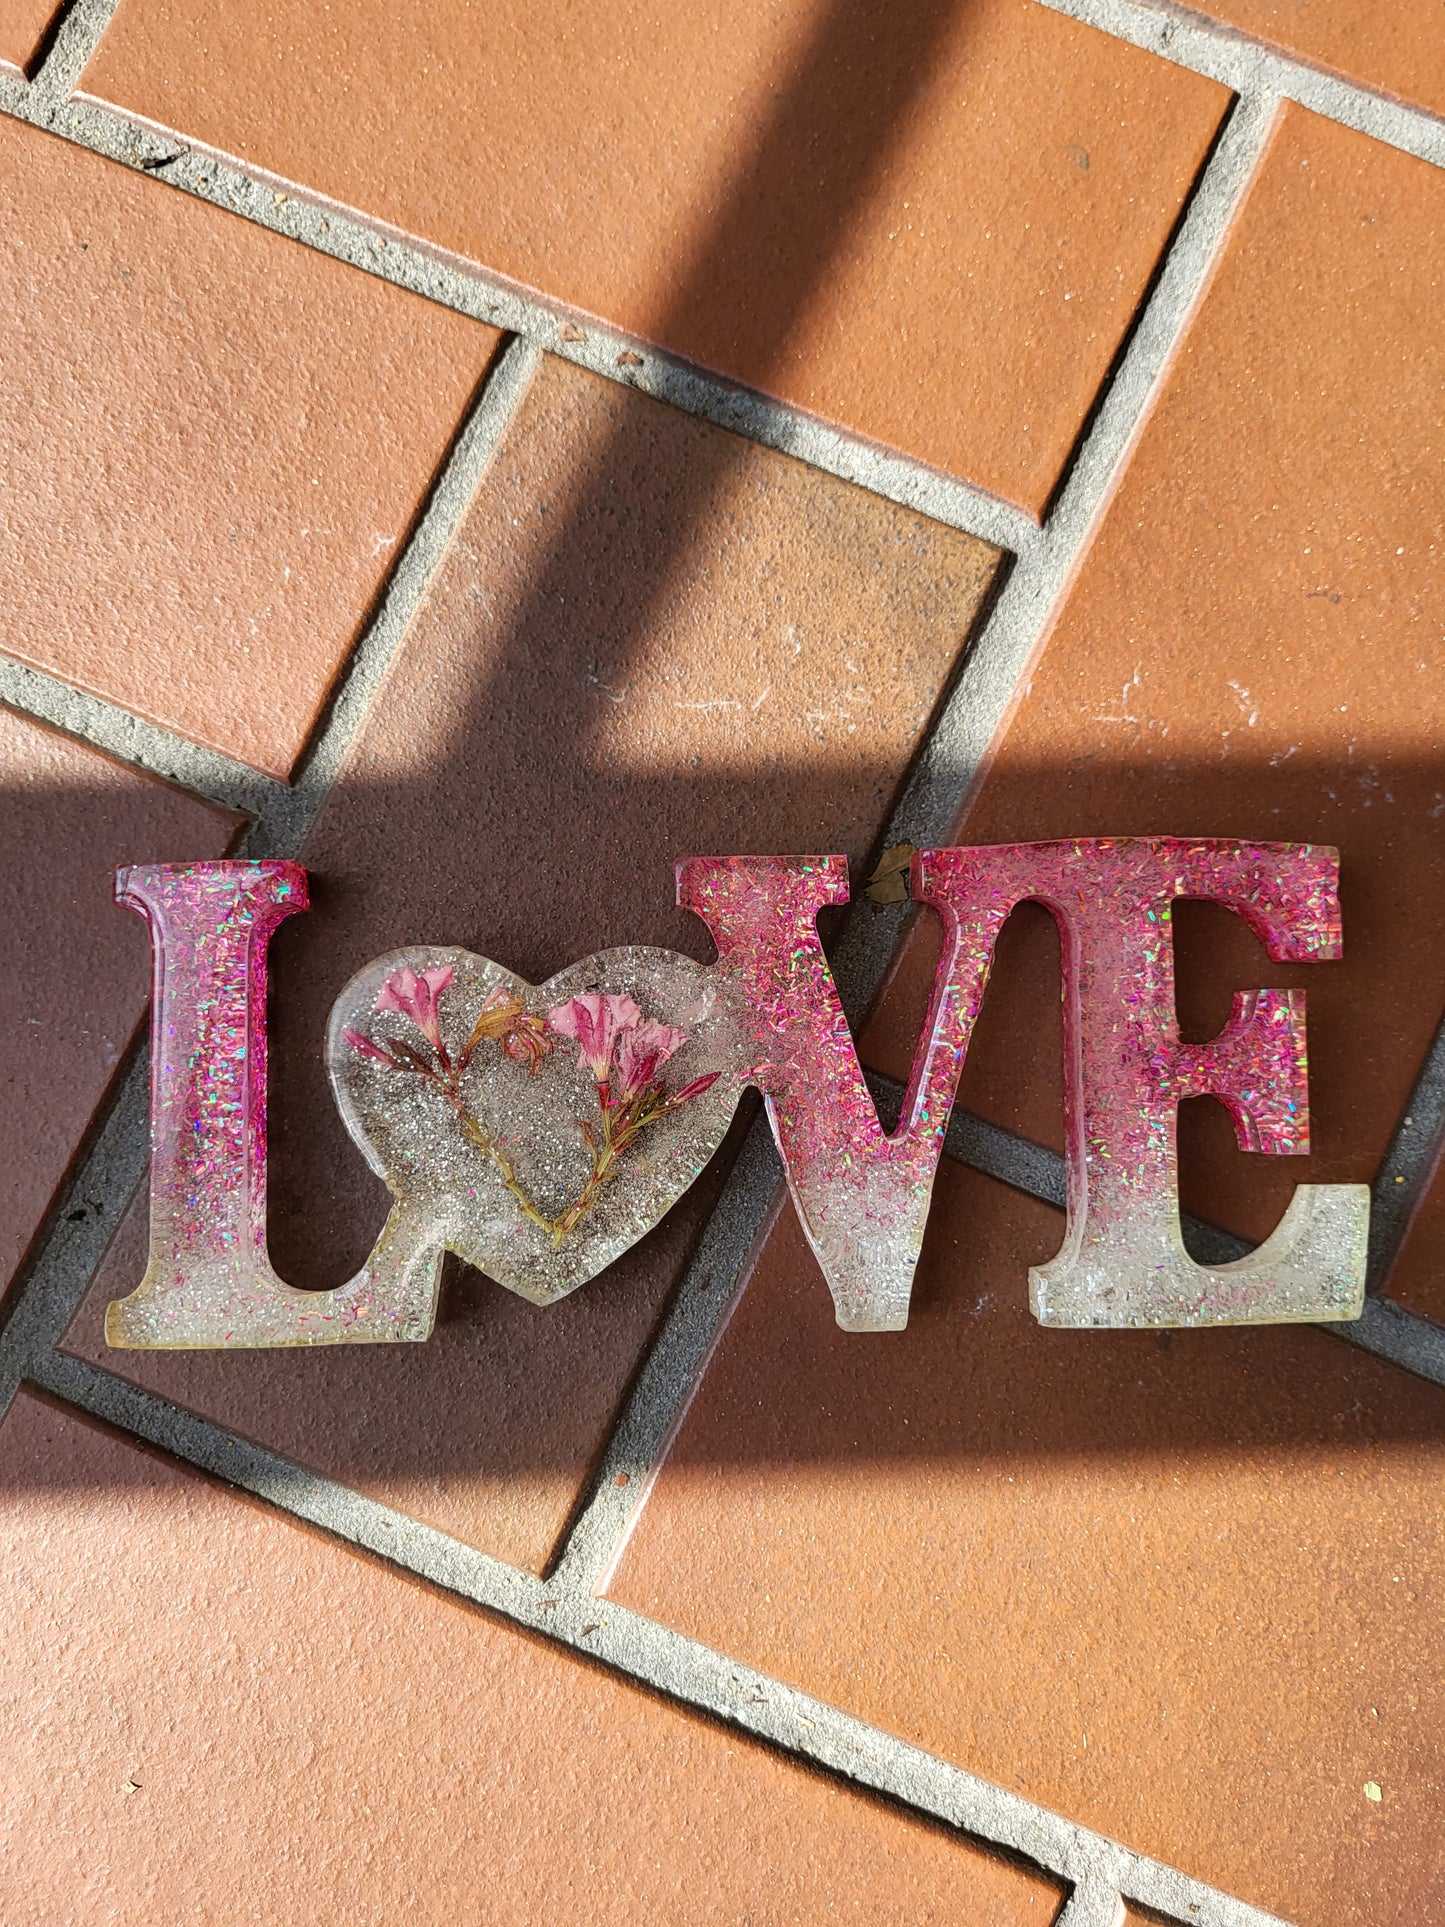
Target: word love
[[538, 1132]]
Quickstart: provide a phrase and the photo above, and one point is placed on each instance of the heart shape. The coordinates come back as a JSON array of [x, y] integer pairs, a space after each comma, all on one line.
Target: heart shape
[[537, 1131]]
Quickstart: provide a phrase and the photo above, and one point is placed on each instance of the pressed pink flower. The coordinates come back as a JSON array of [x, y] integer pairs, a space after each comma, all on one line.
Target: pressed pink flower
[[368, 1049], [415, 996], [593, 1022], [640, 1052]]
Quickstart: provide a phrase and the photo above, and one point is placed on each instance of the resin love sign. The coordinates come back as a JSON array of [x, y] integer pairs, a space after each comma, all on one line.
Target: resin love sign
[[539, 1131]]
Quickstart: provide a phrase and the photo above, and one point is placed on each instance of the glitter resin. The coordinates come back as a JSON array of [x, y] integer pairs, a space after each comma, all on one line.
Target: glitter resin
[[208, 1281], [1123, 1260], [537, 1132], [861, 1194]]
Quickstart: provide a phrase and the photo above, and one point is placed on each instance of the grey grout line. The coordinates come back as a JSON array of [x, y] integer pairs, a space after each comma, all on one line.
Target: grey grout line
[[995, 1151], [718, 1273], [1385, 1328], [42, 1302], [1248, 66], [69, 52], [1254, 71], [208, 773], [668, 1661], [702, 1304], [280, 813], [1093, 1903], [673, 1366], [996, 672], [98, 1193], [954, 758], [100, 1190], [389, 253], [1409, 1163], [282, 829], [1391, 1332]]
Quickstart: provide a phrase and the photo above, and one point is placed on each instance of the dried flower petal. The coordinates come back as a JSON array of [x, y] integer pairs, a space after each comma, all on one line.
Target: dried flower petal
[[505, 1019], [369, 1049], [641, 1051], [415, 996], [889, 882], [593, 1022], [694, 1089], [528, 1043]]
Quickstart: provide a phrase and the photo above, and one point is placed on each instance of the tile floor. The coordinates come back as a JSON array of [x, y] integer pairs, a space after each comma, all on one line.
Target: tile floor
[[486, 454]]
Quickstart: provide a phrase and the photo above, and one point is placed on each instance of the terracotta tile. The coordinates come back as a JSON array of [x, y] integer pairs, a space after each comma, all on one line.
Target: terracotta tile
[[1179, 1586], [932, 228], [1394, 46], [216, 441], [74, 967], [1252, 650], [648, 639], [225, 1716], [23, 26]]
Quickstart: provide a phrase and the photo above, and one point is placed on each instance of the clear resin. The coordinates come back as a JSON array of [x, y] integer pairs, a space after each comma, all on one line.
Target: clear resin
[[537, 1132]]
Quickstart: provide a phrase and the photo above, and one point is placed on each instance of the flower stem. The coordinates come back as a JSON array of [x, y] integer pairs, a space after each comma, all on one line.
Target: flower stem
[[605, 1159], [498, 1158], [606, 1153]]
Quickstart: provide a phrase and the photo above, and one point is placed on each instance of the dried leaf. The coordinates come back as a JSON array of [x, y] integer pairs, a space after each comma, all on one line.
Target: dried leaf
[[408, 1058], [889, 882]]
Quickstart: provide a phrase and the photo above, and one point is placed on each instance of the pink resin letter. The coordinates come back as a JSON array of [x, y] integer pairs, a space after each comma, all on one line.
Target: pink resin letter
[[863, 1195], [209, 1281], [1123, 1260]]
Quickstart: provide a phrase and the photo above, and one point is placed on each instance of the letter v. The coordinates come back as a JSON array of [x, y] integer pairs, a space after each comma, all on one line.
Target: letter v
[[861, 1193]]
